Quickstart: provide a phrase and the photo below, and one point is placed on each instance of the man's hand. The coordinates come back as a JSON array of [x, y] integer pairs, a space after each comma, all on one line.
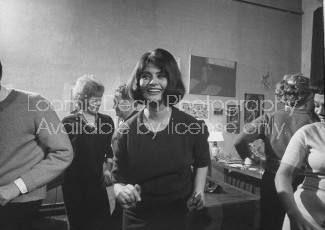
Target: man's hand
[[8, 192], [106, 179], [196, 201], [127, 195]]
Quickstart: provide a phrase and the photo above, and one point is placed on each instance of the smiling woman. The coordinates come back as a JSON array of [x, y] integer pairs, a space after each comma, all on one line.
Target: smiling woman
[[153, 83], [159, 194], [306, 207], [166, 66]]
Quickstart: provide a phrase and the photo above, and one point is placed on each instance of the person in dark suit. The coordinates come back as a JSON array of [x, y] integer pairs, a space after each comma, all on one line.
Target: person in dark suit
[[125, 108]]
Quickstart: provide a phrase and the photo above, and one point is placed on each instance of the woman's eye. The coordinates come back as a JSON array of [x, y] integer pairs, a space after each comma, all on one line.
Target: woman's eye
[[145, 76], [161, 76]]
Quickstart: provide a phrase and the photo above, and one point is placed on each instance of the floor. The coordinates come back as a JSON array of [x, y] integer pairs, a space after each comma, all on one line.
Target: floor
[[53, 217], [59, 222]]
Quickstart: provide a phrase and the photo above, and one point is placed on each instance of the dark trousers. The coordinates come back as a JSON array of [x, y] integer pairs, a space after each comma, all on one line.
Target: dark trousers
[[18, 216], [156, 219], [87, 206], [272, 211], [99, 220], [117, 217]]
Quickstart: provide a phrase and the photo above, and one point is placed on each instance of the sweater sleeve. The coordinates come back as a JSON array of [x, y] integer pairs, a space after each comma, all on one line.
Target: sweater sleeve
[[251, 132], [201, 148], [52, 137], [120, 160], [297, 150]]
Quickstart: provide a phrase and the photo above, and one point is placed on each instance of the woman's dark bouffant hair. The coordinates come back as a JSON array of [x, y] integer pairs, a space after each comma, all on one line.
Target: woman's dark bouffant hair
[[163, 60], [293, 90]]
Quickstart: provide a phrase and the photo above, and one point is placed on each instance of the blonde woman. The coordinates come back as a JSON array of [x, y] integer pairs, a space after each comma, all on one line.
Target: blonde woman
[[276, 129], [84, 181]]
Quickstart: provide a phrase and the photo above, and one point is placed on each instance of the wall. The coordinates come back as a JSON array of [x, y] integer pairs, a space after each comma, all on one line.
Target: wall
[[46, 44], [308, 7]]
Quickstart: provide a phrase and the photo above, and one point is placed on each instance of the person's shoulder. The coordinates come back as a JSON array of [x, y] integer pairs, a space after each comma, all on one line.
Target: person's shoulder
[[309, 131], [186, 123], [34, 101], [105, 117], [282, 114], [30, 95], [26, 96], [311, 127], [125, 127], [70, 118], [134, 113], [134, 118], [184, 117], [298, 114]]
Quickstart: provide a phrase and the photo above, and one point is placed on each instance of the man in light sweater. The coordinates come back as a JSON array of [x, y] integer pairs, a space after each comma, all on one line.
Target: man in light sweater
[[34, 149]]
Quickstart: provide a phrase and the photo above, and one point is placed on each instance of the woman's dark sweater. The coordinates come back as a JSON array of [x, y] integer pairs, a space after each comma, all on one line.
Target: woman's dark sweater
[[160, 162]]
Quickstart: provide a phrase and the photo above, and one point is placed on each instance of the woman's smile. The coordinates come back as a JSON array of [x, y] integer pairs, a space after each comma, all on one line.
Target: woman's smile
[[153, 83]]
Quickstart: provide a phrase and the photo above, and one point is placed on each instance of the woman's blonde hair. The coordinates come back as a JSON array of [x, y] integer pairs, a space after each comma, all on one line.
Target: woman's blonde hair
[[293, 90], [84, 88]]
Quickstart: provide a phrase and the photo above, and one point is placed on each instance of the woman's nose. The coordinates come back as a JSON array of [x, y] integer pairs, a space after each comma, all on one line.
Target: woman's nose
[[153, 80]]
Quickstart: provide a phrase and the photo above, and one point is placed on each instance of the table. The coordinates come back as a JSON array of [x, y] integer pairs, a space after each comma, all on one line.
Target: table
[[244, 179], [235, 209]]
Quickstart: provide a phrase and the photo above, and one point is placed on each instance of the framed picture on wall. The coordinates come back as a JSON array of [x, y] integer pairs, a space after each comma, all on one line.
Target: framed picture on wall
[[197, 110], [253, 107], [212, 76], [233, 119]]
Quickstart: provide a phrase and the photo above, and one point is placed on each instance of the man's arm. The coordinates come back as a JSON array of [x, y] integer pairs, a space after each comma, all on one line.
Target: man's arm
[[51, 136], [106, 179], [251, 132], [57, 147]]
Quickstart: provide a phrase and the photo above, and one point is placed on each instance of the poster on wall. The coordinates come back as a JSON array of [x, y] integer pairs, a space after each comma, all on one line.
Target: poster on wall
[[233, 119], [266, 82], [253, 107], [211, 76], [197, 110]]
